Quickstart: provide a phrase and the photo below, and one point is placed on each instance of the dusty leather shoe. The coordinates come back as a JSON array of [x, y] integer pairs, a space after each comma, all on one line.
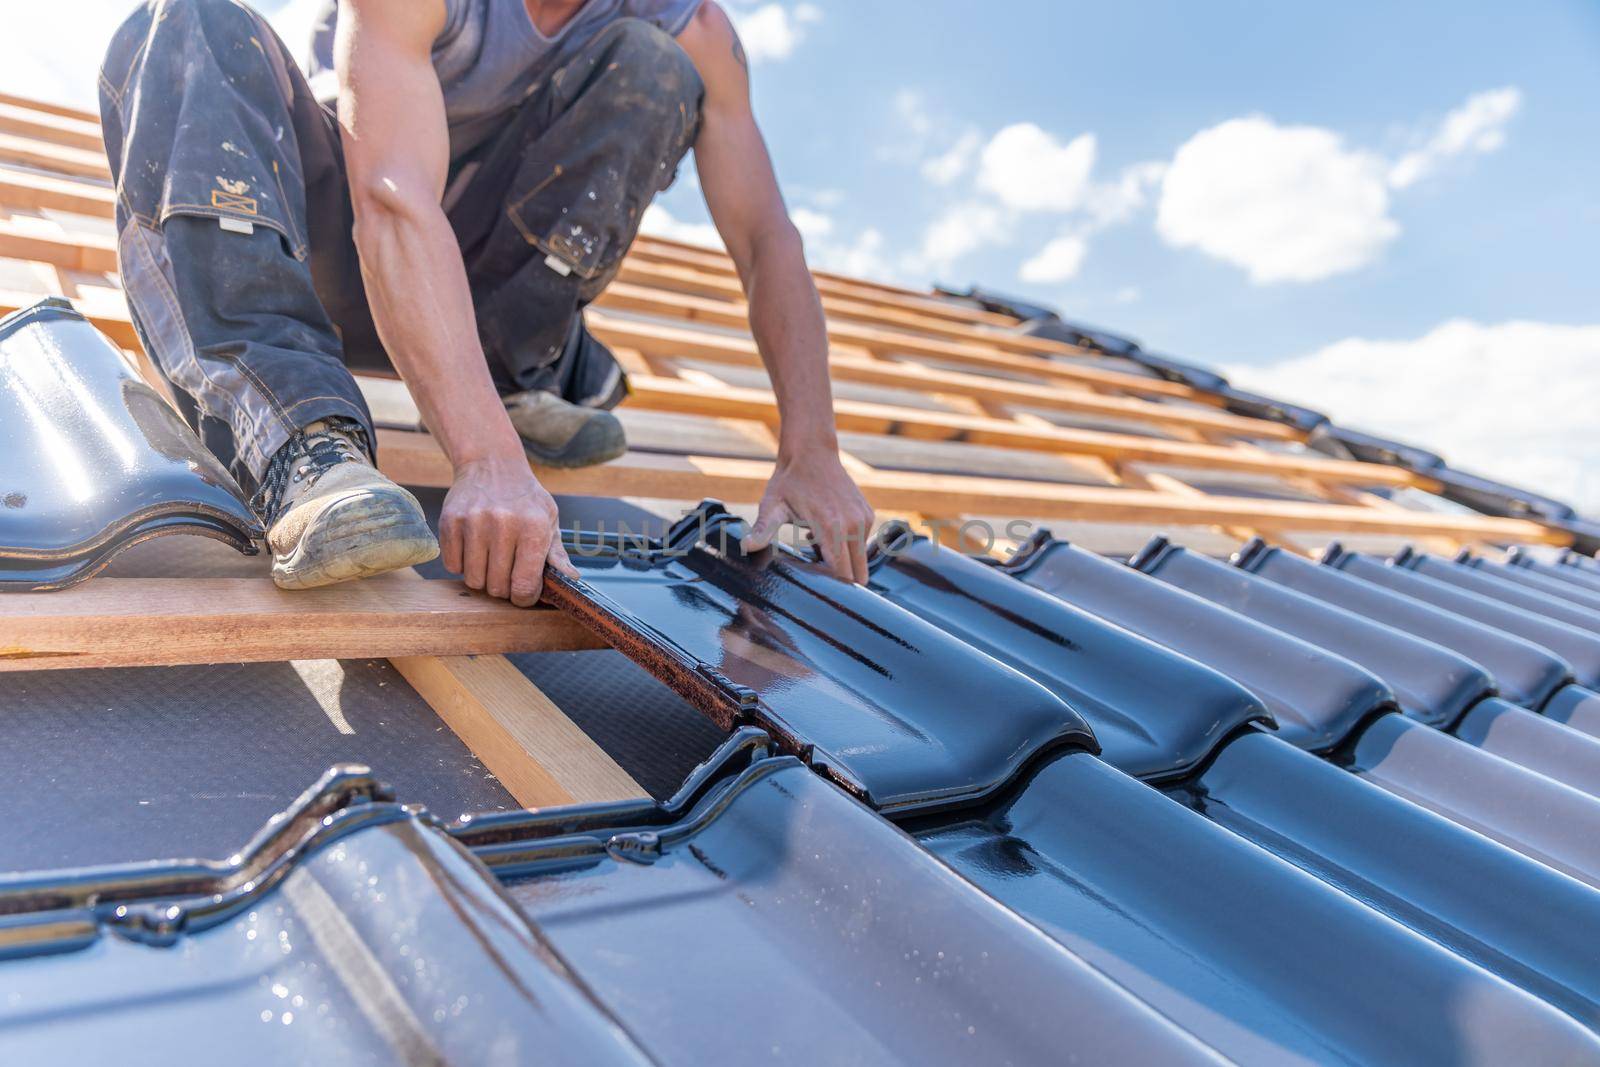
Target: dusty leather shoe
[[332, 517], [558, 434]]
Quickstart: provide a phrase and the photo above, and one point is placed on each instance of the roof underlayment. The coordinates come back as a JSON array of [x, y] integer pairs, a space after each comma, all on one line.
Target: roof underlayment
[[1175, 724]]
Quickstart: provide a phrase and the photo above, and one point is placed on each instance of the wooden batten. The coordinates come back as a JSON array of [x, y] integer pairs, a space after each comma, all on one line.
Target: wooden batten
[[147, 622]]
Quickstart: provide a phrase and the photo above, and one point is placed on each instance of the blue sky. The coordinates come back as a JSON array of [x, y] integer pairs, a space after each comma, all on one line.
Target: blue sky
[[1500, 235], [1371, 207]]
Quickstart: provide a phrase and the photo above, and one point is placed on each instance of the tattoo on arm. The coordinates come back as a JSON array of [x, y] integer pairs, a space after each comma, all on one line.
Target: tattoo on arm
[[738, 50]]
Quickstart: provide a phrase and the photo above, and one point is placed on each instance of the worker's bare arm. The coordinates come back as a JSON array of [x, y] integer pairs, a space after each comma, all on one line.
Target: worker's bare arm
[[498, 527], [741, 190]]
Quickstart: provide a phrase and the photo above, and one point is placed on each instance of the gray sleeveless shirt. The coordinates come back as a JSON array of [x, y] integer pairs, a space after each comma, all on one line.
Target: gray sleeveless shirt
[[490, 55]]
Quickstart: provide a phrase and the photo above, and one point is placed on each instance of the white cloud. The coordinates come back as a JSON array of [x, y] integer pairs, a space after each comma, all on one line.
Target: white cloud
[[1128, 294], [1028, 169], [912, 109], [1476, 127], [1513, 401], [956, 233], [813, 225], [659, 222], [955, 162], [1286, 203], [861, 254], [773, 31], [1110, 203], [1057, 261], [863, 257]]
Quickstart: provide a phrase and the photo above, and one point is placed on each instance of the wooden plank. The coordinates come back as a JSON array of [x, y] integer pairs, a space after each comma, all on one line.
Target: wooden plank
[[667, 394], [1166, 483], [82, 251], [1054, 398], [673, 278], [717, 259], [60, 158], [415, 459], [541, 757], [665, 339], [48, 108], [828, 283], [854, 365], [125, 622], [628, 337], [638, 299], [34, 192], [47, 126]]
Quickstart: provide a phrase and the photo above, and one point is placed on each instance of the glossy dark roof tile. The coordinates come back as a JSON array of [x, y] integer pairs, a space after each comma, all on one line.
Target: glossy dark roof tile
[[391, 946], [1577, 647], [92, 460], [782, 921], [1373, 449], [1570, 569], [1156, 713], [1524, 672], [1550, 822], [1535, 741], [1255, 957], [1391, 853], [1315, 697], [890, 706], [1433, 684], [1496, 498], [1570, 588], [1576, 706], [1495, 586]]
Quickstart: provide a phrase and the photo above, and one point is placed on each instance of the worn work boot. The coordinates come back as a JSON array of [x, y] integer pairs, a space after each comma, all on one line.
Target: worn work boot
[[332, 517], [556, 433]]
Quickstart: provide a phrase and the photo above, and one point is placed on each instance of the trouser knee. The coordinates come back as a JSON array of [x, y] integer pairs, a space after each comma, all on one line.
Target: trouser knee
[[646, 78]]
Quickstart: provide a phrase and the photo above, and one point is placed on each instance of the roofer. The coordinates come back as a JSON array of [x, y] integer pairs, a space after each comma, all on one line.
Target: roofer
[[454, 183]]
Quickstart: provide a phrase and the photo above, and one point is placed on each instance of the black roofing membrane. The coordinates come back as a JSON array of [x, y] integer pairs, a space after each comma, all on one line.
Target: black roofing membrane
[[652, 733], [127, 764]]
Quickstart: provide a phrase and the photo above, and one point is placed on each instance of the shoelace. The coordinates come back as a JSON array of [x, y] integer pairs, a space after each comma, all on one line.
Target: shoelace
[[306, 457]]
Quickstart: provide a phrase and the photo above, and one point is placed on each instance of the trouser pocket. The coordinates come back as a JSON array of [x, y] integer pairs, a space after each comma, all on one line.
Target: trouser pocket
[[196, 101]]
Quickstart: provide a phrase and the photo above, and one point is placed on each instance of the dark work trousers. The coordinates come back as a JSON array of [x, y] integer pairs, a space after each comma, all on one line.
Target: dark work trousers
[[235, 223]]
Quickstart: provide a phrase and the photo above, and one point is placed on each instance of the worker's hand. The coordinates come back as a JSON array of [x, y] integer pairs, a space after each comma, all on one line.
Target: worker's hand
[[814, 488], [498, 530]]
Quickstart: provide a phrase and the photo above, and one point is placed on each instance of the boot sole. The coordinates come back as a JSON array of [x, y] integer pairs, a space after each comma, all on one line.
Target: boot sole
[[364, 535]]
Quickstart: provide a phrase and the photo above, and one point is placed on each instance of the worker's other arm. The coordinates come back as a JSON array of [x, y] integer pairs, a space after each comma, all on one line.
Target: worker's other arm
[[498, 527], [810, 483]]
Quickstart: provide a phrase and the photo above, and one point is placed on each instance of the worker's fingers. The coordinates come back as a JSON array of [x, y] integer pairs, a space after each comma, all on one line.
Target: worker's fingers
[[773, 515], [475, 537], [450, 543], [855, 539], [527, 576], [503, 538], [561, 561], [830, 538]]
